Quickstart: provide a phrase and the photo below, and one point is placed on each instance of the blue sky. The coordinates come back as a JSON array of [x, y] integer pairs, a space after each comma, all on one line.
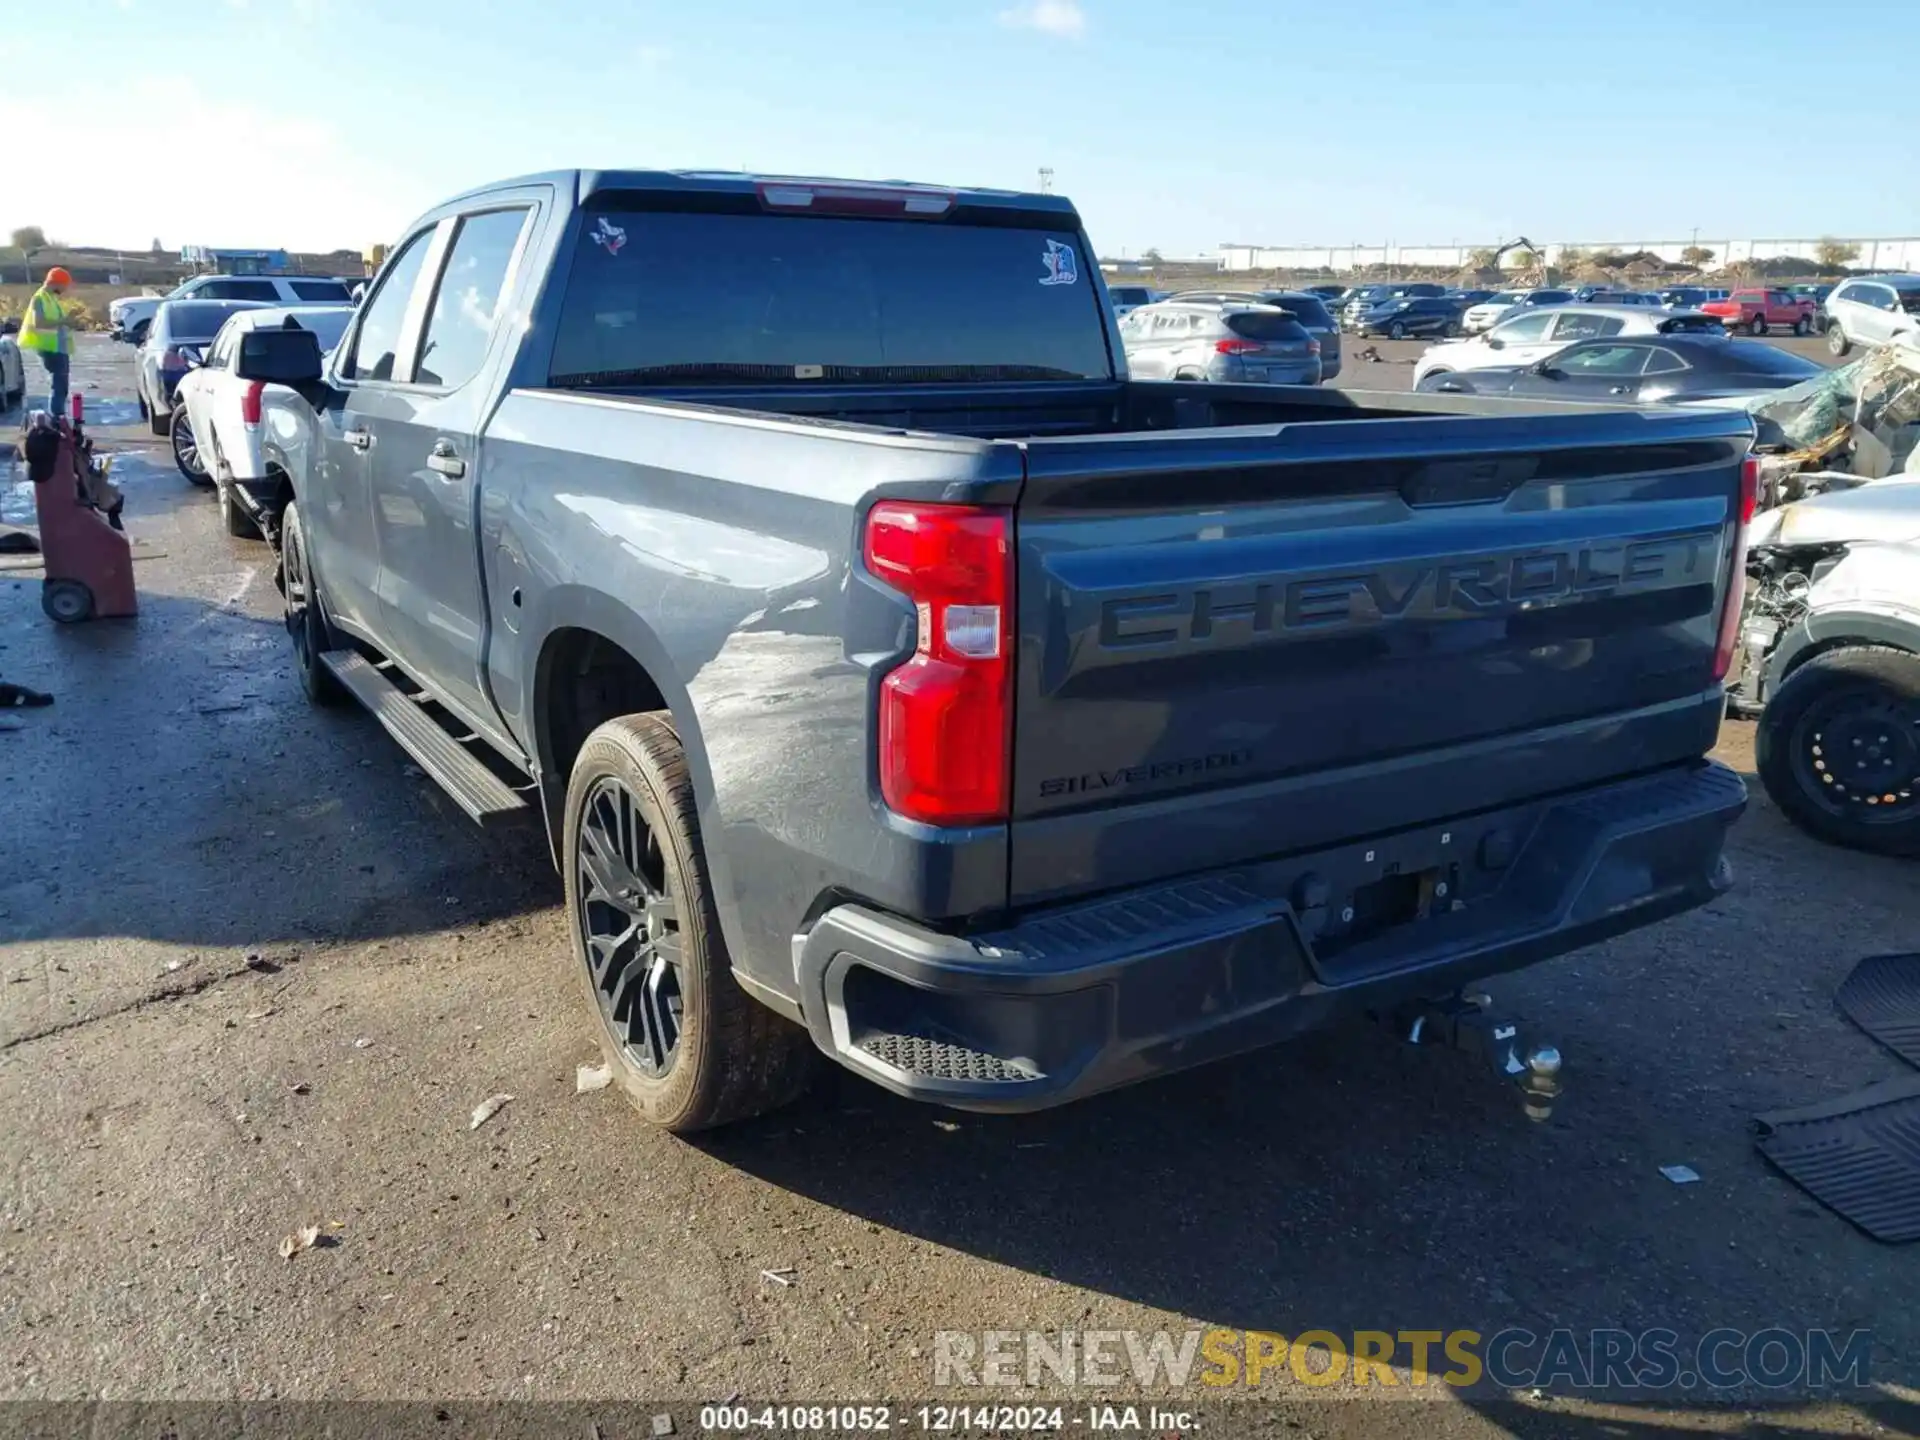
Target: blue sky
[[314, 123]]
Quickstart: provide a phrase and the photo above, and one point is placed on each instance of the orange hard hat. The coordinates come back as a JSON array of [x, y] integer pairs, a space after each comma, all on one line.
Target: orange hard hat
[[57, 276]]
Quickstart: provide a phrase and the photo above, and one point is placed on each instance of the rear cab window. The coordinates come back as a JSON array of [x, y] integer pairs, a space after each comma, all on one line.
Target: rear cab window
[[680, 297], [320, 292]]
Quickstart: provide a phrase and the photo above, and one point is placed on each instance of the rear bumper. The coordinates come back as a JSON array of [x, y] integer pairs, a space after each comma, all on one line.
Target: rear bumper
[[1082, 998]]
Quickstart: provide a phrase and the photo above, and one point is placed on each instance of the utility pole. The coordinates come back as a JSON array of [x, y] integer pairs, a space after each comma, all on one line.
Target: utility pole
[[1046, 179]]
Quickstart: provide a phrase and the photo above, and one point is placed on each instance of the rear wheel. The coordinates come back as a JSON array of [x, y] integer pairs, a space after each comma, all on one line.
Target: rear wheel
[[306, 616], [159, 418], [186, 449], [1803, 326], [1757, 325], [140, 332], [1839, 748], [689, 1047], [1837, 342]]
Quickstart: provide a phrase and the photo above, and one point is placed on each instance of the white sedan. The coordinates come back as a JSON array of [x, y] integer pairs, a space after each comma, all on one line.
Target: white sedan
[[1529, 336], [216, 419]]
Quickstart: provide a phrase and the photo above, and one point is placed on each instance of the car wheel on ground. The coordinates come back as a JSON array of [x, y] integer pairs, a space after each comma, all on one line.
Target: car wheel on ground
[[159, 421], [1803, 326], [1837, 342], [1838, 748], [1757, 325], [139, 335], [186, 449], [1396, 331], [685, 1043], [67, 601], [306, 615]]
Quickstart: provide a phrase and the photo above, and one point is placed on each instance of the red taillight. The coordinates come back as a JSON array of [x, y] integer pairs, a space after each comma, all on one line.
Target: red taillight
[[250, 403], [946, 713], [1238, 347], [1737, 578], [1313, 347]]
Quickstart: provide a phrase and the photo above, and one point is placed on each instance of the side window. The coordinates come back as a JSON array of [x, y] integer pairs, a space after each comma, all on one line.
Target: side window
[[1585, 327], [377, 344], [1664, 362], [1845, 292], [221, 355], [240, 290], [1884, 298], [460, 324], [1526, 330], [1603, 360]]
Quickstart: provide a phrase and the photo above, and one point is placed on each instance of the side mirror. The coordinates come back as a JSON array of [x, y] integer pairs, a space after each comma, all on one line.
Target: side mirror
[[1494, 342], [1547, 370], [279, 357]]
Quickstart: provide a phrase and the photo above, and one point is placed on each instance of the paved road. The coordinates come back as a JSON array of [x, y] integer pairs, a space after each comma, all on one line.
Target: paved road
[[171, 1111]]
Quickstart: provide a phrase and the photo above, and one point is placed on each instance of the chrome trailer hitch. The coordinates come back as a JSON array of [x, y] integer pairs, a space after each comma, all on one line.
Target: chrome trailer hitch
[[1467, 1022]]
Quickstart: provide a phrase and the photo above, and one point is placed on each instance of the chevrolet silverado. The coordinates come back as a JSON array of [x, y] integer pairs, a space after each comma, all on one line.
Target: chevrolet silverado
[[897, 679]]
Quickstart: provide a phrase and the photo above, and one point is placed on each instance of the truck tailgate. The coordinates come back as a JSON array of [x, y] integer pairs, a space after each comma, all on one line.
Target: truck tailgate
[[1241, 642]]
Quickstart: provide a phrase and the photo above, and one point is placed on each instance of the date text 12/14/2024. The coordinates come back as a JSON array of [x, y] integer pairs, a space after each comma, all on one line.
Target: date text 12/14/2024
[[944, 1419]]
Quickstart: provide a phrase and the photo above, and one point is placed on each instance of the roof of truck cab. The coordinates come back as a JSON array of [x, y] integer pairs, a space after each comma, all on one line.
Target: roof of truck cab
[[585, 183]]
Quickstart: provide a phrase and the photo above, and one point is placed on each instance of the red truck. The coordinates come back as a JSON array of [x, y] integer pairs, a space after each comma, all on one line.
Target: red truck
[[1757, 311]]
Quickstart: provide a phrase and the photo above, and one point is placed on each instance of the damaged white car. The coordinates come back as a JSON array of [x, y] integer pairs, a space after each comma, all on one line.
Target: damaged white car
[[1829, 657]]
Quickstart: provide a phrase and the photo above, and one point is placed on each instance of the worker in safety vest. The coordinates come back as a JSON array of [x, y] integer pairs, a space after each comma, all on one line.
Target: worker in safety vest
[[47, 329]]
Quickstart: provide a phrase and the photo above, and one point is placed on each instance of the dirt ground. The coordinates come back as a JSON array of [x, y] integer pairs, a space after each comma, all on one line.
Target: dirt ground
[[255, 973]]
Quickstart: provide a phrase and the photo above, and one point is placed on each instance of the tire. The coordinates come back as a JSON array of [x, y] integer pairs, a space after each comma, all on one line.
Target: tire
[[140, 397], [1837, 342], [67, 601], [1396, 331], [139, 332], [1803, 326], [306, 616], [159, 421], [695, 1050], [1844, 717], [186, 449], [237, 522], [1757, 325]]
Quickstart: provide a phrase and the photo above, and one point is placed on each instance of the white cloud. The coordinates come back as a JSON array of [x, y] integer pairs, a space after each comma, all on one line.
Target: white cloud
[[651, 57], [1064, 18]]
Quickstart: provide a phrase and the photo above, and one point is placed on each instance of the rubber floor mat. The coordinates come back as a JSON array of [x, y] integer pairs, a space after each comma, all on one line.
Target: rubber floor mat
[[1859, 1156], [1882, 997]]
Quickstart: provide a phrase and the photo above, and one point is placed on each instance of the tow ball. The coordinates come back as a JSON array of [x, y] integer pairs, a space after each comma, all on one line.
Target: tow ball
[[1467, 1022]]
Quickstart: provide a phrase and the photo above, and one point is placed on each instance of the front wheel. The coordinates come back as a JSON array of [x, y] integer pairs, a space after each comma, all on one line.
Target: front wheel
[[66, 601], [1396, 331], [236, 521], [1837, 342], [306, 616], [139, 336], [1839, 748], [186, 449], [687, 1045]]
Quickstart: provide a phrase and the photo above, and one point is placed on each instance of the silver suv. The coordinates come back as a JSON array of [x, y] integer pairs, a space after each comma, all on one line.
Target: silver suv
[[1306, 307], [1876, 310], [1229, 341]]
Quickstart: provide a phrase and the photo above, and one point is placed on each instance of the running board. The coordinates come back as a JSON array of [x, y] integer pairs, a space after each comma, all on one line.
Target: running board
[[483, 795]]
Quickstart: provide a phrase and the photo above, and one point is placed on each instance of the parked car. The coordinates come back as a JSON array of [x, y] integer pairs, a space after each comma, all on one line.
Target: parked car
[[1229, 341], [1409, 316], [1491, 312], [1532, 333], [1815, 292], [1690, 297], [1604, 296], [217, 432], [1829, 656], [129, 317], [1125, 299], [1468, 298], [1661, 369], [1757, 310], [177, 340], [13, 369], [1360, 299], [1303, 305], [1327, 293], [898, 680], [1877, 310]]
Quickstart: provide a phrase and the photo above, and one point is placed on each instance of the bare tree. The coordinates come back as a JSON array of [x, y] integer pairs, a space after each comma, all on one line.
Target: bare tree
[[1835, 254]]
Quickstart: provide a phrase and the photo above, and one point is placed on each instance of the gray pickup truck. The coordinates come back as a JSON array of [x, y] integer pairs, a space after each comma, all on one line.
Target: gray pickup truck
[[898, 680]]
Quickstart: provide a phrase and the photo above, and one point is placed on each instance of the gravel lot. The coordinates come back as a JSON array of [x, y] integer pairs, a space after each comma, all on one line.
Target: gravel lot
[[171, 1112]]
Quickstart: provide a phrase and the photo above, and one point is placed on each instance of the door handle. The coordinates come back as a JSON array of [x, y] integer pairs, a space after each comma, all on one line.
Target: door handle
[[358, 439], [442, 459], [1617, 389]]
